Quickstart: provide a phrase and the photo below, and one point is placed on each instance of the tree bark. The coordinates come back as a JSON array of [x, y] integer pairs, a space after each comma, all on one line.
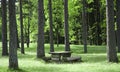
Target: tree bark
[[13, 60], [118, 23], [97, 21], [66, 26], [84, 19], [21, 28], [18, 46], [51, 27], [111, 43], [57, 35], [41, 21], [28, 31], [4, 28]]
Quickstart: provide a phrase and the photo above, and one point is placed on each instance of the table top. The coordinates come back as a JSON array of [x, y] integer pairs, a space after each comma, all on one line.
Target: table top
[[60, 52]]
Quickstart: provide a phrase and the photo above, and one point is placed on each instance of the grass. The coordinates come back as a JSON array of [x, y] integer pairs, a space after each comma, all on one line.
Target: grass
[[93, 61]]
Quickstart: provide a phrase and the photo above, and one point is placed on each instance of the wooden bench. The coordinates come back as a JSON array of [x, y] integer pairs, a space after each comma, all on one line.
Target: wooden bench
[[46, 59], [56, 57], [71, 59]]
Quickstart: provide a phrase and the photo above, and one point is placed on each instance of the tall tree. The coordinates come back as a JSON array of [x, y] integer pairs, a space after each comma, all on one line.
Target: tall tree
[[4, 28], [66, 26], [21, 28], [28, 26], [41, 21], [118, 23], [84, 20], [51, 27], [13, 60], [97, 22], [28, 31], [18, 46], [57, 8], [28, 9], [111, 46]]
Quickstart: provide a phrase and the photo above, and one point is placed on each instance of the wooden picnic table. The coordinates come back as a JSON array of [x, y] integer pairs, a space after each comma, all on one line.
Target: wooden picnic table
[[59, 55]]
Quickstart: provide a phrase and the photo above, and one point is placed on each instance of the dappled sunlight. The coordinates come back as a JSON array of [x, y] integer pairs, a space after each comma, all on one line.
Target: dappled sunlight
[[91, 49], [93, 61], [4, 61]]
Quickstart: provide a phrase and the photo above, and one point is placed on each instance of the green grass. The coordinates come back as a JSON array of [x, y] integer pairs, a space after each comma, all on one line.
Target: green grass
[[93, 61]]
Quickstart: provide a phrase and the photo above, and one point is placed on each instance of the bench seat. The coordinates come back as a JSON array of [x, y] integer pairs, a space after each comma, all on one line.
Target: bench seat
[[55, 59], [72, 59]]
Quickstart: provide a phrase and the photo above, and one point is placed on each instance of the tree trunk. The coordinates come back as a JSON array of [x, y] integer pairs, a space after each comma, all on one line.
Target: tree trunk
[[18, 46], [66, 26], [4, 28], [118, 23], [51, 27], [97, 21], [41, 21], [111, 43], [57, 34], [13, 60], [84, 19], [21, 28], [28, 32]]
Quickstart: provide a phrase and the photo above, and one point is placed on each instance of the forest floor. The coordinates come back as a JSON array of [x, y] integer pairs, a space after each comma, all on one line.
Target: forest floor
[[93, 61]]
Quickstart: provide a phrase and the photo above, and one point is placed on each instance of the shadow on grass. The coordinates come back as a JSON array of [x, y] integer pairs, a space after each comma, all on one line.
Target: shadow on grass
[[46, 68], [16, 70], [22, 56], [78, 49], [93, 58]]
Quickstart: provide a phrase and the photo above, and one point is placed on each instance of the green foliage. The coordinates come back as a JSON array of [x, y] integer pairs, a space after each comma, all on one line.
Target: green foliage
[[75, 11], [90, 1], [29, 17], [30, 10]]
